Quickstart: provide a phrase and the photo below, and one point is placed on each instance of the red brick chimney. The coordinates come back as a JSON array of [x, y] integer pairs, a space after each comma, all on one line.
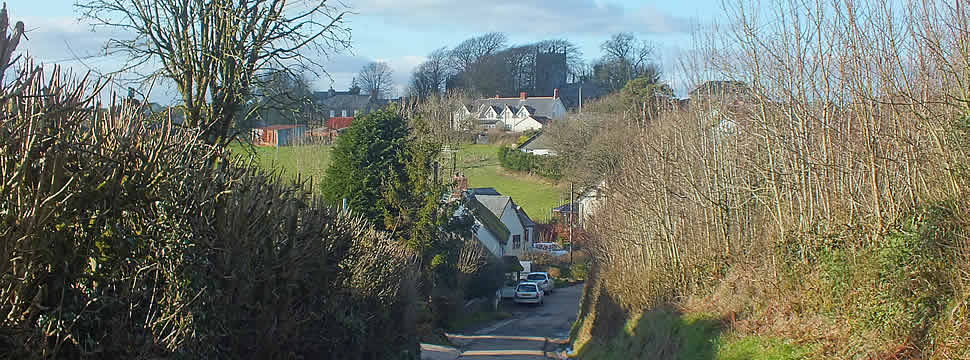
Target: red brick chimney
[[555, 93], [522, 95]]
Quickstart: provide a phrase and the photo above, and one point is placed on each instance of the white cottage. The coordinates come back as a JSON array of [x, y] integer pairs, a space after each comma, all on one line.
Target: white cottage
[[513, 114], [503, 227]]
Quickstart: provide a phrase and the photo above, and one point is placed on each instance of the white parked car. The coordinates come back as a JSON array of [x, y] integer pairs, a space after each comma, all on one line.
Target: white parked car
[[550, 248], [528, 293], [542, 279]]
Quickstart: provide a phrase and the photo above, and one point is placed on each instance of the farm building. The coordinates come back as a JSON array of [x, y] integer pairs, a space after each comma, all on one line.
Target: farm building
[[279, 135]]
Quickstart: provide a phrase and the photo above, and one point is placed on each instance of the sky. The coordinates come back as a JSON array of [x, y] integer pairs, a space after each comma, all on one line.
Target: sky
[[403, 32]]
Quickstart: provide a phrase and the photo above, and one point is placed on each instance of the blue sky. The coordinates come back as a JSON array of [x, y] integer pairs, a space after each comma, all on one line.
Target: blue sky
[[403, 32]]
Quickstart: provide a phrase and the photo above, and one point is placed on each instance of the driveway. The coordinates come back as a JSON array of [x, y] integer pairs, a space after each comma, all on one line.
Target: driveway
[[533, 332]]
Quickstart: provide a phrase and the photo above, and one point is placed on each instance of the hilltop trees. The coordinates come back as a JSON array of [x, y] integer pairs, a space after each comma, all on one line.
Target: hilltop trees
[[625, 58], [429, 78], [214, 50], [486, 65]]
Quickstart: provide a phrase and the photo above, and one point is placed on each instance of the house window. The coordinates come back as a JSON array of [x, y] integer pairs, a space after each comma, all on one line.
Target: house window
[[333, 113], [526, 235], [516, 241], [343, 113]]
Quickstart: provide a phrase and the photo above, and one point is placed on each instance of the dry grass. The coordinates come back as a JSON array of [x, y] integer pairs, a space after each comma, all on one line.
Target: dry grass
[[835, 218]]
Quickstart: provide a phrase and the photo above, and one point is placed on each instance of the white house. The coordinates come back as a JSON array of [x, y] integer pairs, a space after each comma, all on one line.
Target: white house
[[513, 114], [537, 145], [590, 201], [503, 227]]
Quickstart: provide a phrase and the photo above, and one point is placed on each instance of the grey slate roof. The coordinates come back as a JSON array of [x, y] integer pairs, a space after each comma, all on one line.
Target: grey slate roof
[[495, 204], [346, 102], [491, 222], [541, 106], [536, 142], [542, 119], [483, 191], [524, 218]]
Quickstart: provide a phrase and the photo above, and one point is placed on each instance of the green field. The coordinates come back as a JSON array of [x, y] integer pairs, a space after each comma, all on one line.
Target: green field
[[479, 163], [303, 161]]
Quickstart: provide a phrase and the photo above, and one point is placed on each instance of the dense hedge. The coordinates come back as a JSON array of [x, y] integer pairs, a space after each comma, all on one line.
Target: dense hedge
[[125, 239], [542, 165]]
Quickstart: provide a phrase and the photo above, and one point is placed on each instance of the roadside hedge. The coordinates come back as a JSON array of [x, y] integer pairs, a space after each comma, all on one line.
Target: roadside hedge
[[122, 238]]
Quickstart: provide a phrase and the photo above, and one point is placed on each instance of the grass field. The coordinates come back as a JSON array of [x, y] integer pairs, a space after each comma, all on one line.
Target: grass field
[[479, 163], [306, 161]]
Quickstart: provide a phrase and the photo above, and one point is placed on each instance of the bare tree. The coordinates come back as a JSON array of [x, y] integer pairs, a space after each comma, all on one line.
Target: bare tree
[[279, 97], [625, 58], [214, 49], [8, 43], [429, 78], [375, 79], [474, 50]]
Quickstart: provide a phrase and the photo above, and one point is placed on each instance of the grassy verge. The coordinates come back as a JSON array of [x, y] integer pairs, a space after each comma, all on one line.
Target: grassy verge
[[662, 334]]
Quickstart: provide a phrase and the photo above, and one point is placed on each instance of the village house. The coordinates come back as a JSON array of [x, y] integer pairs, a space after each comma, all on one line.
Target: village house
[[345, 104], [583, 207], [512, 114], [502, 226], [538, 145]]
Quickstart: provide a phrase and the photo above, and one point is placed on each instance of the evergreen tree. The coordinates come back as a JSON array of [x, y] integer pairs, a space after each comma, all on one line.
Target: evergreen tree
[[369, 156]]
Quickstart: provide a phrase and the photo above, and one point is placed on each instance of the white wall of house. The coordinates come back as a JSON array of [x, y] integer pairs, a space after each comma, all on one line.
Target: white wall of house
[[590, 201], [511, 220], [508, 115], [541, 151], [519, 124], [488, 240]]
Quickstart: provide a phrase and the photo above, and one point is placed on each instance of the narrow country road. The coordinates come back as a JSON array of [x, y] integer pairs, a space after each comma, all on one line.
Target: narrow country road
[[533, 332]]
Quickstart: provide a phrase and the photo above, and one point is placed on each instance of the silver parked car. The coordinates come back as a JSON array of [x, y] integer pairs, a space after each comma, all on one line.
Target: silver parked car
[[528, 293], [550, 248], [542, 279]]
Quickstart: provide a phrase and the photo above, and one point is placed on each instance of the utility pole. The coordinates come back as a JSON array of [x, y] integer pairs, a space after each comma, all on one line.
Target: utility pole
[[572, 214], [580, 98]]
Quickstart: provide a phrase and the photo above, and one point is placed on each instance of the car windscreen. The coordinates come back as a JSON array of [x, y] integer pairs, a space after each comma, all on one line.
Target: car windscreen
[[536, 277], [527, 288]]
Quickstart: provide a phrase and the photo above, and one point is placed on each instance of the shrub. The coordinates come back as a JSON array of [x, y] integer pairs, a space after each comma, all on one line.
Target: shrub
[[545, 166], [578, 270], [128, 239]]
